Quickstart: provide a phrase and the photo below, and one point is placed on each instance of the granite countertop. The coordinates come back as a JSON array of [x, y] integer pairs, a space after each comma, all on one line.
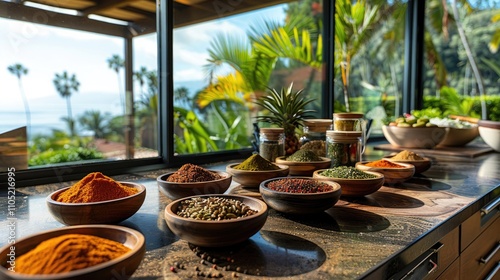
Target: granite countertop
[[353, 239]]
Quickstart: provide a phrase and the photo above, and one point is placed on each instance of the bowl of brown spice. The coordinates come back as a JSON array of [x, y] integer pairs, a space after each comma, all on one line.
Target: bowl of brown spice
[[421, 164], [96, 199], [74, 252], [304, 162], [191, 179], [300, 195], [255, 169], [216, 220]]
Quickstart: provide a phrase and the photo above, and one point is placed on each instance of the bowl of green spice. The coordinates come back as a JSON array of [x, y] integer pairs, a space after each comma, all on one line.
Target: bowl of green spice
[[354, 182], [304, 162], [255, 169]]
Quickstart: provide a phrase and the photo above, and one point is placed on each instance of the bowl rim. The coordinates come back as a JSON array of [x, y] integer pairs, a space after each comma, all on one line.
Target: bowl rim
[[283, 167], [50, 200], [422, 127], [79, 272], [378, 174], [335, 186], [489, 124], [168, 209], [425, 159], [282, 160], [227, 176], [407, 166]]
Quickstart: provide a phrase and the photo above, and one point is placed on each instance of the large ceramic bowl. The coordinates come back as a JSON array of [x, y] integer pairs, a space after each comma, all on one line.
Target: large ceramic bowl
[[208, 233], [391, 175], [175, 190], [304, 168], [420, 165], [124, 266], [456, 137], [355, 187], [490, 132], [414, 137], [102, 212], [300, 203], [253, 179]]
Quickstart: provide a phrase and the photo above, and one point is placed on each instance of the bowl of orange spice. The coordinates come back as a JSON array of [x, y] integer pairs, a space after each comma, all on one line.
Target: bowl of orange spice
[[394, 172], [74, 252], [96, 199]]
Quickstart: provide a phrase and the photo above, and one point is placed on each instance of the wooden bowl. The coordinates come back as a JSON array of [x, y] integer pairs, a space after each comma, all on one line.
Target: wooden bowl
[[456, 137], [124, 265], [254, 178], [217, 233], [300, 203], [391, 175], [102, 212], [304, 168], [414, 137], [175, 190], [355, 187], [420, 165]]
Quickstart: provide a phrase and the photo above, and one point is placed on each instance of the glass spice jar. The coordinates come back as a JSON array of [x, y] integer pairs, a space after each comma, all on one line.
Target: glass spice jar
[[315, 129], [271, 143], [344, 148]]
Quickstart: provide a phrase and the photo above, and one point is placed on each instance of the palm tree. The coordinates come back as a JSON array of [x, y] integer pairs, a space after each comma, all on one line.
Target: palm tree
[[140, 76], [67, 85], [116, 63], [97, 122], [19, 70]]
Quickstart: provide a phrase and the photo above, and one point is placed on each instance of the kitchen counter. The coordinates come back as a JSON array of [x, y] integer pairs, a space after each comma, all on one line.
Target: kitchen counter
[[372, 237]]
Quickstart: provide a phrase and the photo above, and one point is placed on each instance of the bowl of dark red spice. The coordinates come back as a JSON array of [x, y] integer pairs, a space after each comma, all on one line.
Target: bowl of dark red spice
[[354, 182], [304, 162], [74, 252], [96, 199], [191, 179], [255, 169], [394, 172], [216, 220], [300, 195], [421, 163]]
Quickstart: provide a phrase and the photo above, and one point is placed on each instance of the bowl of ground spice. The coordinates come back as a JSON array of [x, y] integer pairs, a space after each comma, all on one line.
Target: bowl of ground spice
[[191, 179], [394, 172], [354, 182], [216, 220], [96, 199], [75, 252], [421, 164], [304, 162], [255, 169], [300, 195]]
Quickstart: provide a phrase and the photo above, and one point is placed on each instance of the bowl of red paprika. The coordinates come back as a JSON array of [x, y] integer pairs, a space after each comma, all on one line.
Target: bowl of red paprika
[[96, 199], [394, 172], [74, 252], [300, 195]]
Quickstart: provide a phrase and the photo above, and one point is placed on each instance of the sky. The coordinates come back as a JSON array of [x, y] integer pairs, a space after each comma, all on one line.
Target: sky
[[47, 50]]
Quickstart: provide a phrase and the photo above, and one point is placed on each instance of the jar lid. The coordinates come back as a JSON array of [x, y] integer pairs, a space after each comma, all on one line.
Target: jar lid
[[320, 125], [343, 135], [348, 115], [272, 133]]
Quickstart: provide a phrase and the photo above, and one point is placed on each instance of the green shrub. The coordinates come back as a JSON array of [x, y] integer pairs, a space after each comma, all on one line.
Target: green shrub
[[64, 155]]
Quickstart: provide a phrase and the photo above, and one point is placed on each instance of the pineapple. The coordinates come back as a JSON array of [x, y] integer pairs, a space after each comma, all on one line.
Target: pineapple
[[287, 110]]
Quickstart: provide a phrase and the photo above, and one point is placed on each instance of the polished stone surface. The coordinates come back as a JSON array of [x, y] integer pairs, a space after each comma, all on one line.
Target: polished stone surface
[[353, 239]]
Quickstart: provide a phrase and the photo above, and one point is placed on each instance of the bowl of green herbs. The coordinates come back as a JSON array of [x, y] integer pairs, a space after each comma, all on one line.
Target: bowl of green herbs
[[304, 162], [254, 170], [354, 182]]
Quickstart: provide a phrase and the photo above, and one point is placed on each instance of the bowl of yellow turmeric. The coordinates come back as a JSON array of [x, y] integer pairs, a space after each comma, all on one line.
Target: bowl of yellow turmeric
[[254, 170], [74, 252], [96, 199]]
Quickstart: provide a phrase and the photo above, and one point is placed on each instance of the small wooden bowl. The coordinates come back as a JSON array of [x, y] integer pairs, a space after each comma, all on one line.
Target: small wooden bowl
[[391, 175], [102, 212], [125, 265], [355, 187], [254, 178], [217, 233], [304, 168], [300, 203], [420, 165], [175, 190]]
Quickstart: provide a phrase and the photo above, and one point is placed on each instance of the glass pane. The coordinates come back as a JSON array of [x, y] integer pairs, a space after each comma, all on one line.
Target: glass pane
[[369, 59], [65, 89], [462, 62], [222, 65]]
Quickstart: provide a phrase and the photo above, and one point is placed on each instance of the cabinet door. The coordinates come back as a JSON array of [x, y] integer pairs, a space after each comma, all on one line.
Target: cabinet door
[[477, 223]]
